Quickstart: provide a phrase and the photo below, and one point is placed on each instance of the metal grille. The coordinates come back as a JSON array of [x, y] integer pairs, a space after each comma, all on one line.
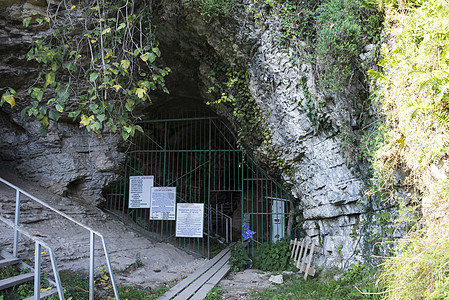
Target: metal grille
[[201, 158]]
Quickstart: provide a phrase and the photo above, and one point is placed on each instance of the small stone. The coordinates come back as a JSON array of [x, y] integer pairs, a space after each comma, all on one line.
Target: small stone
[[277, 279]]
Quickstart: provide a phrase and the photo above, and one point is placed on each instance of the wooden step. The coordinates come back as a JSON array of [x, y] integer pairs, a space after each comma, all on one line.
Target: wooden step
[[202, 292], [185, 288], [9, 261], [12, 281], [45, 294]]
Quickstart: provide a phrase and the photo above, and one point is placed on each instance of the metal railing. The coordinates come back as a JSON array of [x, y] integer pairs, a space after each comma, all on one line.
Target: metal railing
[[92, 234], [38, 244], [221, 220]]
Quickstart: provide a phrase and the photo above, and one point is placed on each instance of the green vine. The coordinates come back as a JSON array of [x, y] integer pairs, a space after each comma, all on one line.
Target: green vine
[[98, 66]]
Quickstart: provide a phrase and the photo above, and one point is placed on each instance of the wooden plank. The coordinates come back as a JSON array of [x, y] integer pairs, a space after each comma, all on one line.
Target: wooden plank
[[45, 294], [303, 259], [310, 261], [295, 257], [298, 262], [294, 246], [16, 280], [9, 261], [188, 280], [196, 285], [202, 292]]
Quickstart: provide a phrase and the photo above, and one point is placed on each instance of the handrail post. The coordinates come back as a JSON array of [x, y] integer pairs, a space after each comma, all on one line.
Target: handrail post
[[108, 262], [227, 229], [37, 271], [230, 228], [16, 222], [91, 265]]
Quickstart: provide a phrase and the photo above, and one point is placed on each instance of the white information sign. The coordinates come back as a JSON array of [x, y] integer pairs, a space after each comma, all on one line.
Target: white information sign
[[139, 191], [163, 202], [189, 220]]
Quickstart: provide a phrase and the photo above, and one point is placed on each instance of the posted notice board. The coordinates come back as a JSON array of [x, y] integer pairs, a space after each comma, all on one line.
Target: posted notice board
[[163, 203], [189, 220], [139, 191]]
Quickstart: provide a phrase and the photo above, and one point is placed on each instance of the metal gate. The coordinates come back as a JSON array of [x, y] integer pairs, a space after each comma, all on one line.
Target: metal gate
[[201, 158]]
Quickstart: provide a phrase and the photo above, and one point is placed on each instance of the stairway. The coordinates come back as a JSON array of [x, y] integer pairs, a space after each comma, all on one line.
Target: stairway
[[8, 260]]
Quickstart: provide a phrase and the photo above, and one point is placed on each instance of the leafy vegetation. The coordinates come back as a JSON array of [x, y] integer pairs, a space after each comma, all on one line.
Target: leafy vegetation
[[239, 258], [356, 283], [76, 286], [98, 66], [213, 8], [419, 266], [273, 256], [408, 143]]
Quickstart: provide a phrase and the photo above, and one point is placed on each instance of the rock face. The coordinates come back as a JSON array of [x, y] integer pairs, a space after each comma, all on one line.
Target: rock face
[[72, 162], [328, 191]]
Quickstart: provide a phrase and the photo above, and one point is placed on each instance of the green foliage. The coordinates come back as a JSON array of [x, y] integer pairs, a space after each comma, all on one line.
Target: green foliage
[[419, 266], [210, 9], [338, 42], [350, 285], [414, 95], [250, 120], [216, 293], [313, 108], [273, 256], [98, 66], [239, 258]]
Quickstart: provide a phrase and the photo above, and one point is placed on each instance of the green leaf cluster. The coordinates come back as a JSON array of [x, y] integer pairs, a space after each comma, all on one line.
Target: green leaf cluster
[[98, 67], [210, 9], [239, 258], [273, 256]]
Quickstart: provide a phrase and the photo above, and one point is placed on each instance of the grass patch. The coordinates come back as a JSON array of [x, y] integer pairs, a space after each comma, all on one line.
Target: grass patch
[[350, 285], [76, 286], [420, 266]]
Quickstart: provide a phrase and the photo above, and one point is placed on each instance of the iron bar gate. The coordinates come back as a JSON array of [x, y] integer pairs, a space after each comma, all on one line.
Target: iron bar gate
[[201, 158]]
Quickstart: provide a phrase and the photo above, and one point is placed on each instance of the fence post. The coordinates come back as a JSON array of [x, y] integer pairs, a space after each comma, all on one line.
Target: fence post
[[16, 222]]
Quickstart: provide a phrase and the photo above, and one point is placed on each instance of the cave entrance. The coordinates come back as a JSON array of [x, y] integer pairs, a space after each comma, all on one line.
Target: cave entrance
[[201, 158]]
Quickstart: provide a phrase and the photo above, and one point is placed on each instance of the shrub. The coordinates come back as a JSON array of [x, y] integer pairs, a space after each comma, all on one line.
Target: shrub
[[273, 256], [239, 258]]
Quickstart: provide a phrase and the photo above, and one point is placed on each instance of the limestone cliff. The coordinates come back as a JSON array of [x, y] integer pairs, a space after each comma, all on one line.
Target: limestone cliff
[[73, 162]]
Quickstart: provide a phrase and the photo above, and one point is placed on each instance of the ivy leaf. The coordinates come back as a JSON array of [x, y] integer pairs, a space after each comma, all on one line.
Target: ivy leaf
[[93, 77], [59, 107], [157, 51], [101, 117], [107, 30], [49, 79], [8, 98], [151, 57], [74, 114], [140, 93], [86, 120], [26, 21], [37, 94], [125, 64], [53, 115]]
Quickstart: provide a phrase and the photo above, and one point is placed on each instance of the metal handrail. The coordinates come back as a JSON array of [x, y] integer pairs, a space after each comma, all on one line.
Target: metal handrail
[[210, 210], [91, 231], [37, 261]]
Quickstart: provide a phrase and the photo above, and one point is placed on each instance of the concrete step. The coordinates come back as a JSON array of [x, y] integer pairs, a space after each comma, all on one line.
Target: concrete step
[[9, 261], [16, 280], [45, 294]]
